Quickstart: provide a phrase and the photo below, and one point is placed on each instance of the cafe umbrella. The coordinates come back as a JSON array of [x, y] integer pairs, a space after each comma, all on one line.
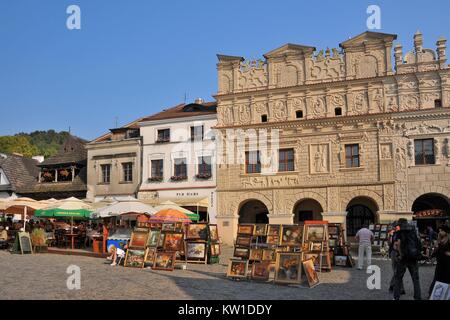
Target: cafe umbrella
[[169, 205], [123, 207], [170, 215], [23, 206], [67, 208]]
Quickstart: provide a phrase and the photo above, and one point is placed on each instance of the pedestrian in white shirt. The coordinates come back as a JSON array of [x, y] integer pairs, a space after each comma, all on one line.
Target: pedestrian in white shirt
[[365, 237]]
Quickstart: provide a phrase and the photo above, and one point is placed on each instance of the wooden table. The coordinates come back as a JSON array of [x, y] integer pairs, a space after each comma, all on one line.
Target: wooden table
[[72, 236]]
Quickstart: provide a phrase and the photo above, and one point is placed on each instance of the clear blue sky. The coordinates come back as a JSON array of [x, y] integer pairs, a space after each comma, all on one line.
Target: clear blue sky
[[133, 58]]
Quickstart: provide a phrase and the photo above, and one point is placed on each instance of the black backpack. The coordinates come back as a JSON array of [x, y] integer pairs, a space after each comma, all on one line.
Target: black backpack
[[410, 245]]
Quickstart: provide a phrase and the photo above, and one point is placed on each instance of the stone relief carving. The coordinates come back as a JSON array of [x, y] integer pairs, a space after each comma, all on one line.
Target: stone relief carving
[[400, 164], [423, 129], [389, 192], [252, 74], [386, 151], [447, 150], [359, 103], [319, 158], [244, 114], [365, 66], [326, 67], [437, 150], [226, 115], [318, 108], [409, 102], [279, 110], [378, 100]]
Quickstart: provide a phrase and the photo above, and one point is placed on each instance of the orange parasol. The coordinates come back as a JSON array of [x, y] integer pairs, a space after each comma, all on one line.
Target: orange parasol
[[169, 215]]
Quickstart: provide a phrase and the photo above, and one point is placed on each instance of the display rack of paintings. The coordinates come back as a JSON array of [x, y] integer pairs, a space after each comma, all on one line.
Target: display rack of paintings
[[214, 243], [316, 246], [275, 253], [380, 232]]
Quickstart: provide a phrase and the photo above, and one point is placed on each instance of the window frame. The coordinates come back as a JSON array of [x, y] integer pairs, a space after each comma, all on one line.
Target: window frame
[[164, 138], [102, 173], [184, 163], [204, 168], [194, 136], [127, 172], [352, 157], [255, 167], [423, 155], [283, 164], [160, 168]]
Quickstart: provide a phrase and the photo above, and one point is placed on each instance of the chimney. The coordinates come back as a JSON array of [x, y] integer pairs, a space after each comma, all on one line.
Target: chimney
[[441, 46], [39, 159]]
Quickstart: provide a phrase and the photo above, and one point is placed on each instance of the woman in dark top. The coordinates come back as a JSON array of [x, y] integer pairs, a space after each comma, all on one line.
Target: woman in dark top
[[442, 272]]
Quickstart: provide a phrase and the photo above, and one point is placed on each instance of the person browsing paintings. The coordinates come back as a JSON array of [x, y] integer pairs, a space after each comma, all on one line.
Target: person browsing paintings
[[364, 237], [442, 254], [115, 252]]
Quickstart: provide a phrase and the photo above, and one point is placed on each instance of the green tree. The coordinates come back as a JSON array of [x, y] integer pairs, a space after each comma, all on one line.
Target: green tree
[[18, 144]]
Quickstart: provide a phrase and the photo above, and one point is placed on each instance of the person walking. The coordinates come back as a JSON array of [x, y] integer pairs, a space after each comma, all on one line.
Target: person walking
[[408, 245], [442, 271], [364, 237], [394, 254]]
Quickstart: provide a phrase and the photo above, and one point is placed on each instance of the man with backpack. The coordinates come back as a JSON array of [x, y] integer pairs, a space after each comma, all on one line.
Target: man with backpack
[[408, 246]]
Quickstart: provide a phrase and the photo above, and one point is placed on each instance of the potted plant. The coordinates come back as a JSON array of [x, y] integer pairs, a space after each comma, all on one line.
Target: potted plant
[[178, 178], [204, 176], [155, 179]]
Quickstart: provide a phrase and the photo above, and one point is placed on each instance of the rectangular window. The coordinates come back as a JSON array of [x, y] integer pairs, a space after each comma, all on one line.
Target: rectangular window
[[352, 155], [127, 168], [286, 160], [180, 168], [163, 135], [157, 168], [106, 173], [197, 133], [252, 162], [424, 151], [204, 167]]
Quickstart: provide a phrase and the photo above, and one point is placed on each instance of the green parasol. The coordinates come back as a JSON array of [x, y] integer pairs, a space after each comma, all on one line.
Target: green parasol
[[61, 213]]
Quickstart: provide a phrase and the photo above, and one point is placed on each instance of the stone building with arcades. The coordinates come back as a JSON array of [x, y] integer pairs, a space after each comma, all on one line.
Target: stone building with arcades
[[364, 134]]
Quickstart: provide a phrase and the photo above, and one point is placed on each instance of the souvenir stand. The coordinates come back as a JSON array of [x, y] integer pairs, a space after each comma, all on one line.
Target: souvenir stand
[[381, 237], [278, 253], [202, 243]]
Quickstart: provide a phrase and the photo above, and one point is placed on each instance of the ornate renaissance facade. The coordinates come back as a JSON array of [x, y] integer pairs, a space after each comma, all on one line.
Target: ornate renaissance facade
[[363, 136]]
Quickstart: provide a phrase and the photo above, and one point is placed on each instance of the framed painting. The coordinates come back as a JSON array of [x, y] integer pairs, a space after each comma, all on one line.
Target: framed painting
[[291, 235], [237, 269], [161, 239], [333, 230], [243, 241], [315, 232], [269, 255], [260, 271], [273, 230], [440, 291], [311, 274], [134, 258], [215, 249], [196, 251], [243, 253], [340, 261], [197, 231], [325, 261], [155, 225], [316, 246], [260, 230], [179, 226], [288, 268], [377, 227], [246, 229], [332, 242], [138, 239], [384, 228], [315, 257], [173, 241], [376, 235], [371, 227], [150, 255], [213, 233], [168, 227], [164, 261], [256, 254], [273, 240], [153, 238], [383, 235]]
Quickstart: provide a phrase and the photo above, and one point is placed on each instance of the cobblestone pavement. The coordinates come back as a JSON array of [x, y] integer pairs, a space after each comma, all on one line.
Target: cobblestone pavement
[[43, 276]]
